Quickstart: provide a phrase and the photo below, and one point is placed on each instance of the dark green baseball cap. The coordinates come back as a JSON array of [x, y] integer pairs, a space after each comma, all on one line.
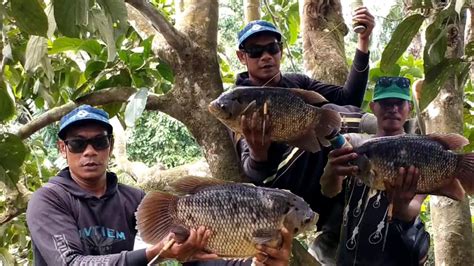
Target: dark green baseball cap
[[392, 87]]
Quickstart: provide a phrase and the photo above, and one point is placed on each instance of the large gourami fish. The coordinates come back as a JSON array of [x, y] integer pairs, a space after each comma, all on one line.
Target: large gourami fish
[[239, 215], [442, 171], [294, 118]]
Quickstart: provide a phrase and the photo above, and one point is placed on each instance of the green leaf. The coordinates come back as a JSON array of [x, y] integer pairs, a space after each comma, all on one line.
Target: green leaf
[[93, 69], [117, 10], [165, 71], [435, 78], [36, 50], [401, 39], [136, 61], [121, 80], [469, 49], [112, 108], [63, 44], [105, 27], [65, 16], [135, 107], [5, 257], [93, 47], [7, 103], [30, 17], [12, 156]]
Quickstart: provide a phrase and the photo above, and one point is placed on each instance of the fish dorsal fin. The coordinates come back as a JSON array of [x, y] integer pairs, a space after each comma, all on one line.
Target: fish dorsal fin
[[193, 184], [310, 97], [451, 141]]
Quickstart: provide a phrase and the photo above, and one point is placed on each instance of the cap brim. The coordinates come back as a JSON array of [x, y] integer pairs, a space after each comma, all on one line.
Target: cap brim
[[396, 95]]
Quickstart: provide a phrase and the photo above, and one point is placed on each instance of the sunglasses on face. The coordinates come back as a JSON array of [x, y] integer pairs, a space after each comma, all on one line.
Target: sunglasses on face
[[256, 51], [386, 82], [79, 145]]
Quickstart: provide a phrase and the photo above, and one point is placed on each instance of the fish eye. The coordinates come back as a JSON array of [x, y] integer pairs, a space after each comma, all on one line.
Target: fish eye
[[222, 106]]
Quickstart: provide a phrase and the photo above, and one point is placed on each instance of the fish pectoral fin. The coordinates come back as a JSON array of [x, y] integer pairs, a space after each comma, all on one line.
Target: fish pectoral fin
[[250, 108], [269, 237], [181, 233], [453, 190], [308, 142], [310, 97], [193, 184]]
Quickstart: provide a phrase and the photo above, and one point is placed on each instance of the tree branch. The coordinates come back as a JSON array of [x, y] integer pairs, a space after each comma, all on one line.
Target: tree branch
[[105, 96], [174, 38]]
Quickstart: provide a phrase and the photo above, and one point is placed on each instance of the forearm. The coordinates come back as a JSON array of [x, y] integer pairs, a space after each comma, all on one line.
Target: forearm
[[356, 84], [408, 213], [363, 44]]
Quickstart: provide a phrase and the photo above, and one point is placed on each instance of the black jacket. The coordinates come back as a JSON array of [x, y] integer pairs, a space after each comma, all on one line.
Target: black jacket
[[70, 226], [303, 170]]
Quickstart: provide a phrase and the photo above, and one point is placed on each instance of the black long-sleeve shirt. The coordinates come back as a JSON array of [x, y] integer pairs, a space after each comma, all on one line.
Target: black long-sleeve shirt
[[70, 226]]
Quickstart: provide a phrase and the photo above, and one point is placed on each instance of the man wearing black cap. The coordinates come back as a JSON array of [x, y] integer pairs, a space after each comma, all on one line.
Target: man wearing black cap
[[83, 216], [282, 166]]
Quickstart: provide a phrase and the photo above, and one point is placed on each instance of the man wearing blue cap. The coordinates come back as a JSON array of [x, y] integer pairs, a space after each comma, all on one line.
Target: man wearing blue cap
[[367, 235], [83, 216], [282, 166]]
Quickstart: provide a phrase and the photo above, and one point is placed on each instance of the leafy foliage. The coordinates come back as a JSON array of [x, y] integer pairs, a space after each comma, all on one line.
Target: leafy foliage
[[159, 138]]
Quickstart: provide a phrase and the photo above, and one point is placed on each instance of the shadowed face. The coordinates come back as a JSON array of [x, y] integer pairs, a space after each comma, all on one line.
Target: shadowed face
[[264, 67], [391, 114], [87, 164]]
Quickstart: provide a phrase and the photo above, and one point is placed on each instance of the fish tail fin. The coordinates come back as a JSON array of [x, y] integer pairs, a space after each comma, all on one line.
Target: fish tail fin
[[465, 172], [329, 121], [154, 221]]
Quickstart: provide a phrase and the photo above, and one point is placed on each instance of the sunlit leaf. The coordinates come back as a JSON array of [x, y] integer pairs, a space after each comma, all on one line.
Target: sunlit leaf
[[30, 17], [401, 39], [135, 106], [36, 50], [117, 10]]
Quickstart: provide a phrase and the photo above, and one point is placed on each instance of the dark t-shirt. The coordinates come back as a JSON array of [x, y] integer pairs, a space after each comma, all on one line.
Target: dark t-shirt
[[69, 225]]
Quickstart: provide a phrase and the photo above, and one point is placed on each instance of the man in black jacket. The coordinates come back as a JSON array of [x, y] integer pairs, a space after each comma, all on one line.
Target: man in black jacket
[[83, 216], [277, 164]]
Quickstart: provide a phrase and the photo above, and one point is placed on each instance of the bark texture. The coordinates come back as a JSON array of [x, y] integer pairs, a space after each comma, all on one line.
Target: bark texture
[[323, 31], [452, 232], [251, 10]]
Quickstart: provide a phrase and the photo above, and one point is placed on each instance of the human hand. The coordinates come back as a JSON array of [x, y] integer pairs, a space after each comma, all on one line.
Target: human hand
[[274, 256], [336, 169], [257, 136], [363, 16], [401, 193], [191, 249]]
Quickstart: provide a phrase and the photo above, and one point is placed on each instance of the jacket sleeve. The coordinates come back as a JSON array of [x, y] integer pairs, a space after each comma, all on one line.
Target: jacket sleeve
[[354, 89], [55, 234], [259, 171]]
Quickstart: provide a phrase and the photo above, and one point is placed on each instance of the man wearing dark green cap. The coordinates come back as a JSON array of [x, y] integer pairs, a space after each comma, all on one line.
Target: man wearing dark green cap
[[367, 238]]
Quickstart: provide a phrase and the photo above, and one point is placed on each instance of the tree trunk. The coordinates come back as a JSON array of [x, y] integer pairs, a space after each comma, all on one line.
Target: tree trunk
[[451, 219], [323, 31], [190, 47], [251, 10]]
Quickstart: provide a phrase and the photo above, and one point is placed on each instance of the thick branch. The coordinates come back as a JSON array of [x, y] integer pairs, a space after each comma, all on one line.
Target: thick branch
[[174, 38], [106, 96]]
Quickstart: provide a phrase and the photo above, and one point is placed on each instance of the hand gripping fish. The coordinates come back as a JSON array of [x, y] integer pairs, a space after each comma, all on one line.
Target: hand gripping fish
[[239, 215]]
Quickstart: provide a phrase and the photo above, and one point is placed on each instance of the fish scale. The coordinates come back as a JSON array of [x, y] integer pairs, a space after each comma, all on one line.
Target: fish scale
[[202, 207], [387, 154]]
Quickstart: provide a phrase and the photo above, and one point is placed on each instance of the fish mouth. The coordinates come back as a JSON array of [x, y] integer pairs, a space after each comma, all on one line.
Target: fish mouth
[[216, 110]]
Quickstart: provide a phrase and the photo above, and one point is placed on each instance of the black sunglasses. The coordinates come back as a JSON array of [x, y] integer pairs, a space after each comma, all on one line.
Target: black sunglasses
[[386, 82], [78, 145], [256, 51]]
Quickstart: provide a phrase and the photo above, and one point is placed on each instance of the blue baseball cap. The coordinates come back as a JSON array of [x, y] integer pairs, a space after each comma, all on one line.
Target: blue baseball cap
[[84, 113], [255, 27]]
